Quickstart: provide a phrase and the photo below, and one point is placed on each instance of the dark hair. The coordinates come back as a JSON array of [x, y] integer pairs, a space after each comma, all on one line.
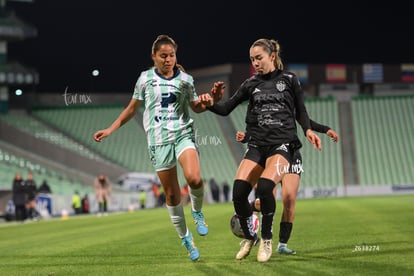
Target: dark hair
[[162, 40], [165, 40]]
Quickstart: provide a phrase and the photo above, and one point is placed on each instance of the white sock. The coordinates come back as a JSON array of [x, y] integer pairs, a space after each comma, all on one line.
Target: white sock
[[178, 219], [197, 197]]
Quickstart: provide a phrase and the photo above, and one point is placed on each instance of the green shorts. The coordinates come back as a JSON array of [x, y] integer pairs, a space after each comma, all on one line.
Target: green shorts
[[164, 157]]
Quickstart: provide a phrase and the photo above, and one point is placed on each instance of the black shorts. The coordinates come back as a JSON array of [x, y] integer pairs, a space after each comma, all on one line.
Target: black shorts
[[259, 155]]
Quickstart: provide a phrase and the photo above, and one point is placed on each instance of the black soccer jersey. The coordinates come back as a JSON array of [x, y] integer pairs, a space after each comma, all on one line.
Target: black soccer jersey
[[275, 103]]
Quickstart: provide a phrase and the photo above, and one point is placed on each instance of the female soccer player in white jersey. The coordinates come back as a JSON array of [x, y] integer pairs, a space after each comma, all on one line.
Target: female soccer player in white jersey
[[167, 91]]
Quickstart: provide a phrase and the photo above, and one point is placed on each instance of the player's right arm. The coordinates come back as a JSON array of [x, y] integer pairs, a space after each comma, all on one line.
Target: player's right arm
[[324, 129], [124, 117]]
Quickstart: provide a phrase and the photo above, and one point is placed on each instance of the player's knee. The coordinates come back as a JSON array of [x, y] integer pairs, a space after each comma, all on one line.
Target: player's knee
[[289, 200], [265, 187], [241, 190], [172, 199], [194, 181], [265, 192]]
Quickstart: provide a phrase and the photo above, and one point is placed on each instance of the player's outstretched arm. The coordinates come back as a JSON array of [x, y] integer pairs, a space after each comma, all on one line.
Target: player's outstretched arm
[[124, 117]]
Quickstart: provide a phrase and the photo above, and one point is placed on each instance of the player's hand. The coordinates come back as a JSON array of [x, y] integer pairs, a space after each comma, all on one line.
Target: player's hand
[[240, 136], [217, 91], [314, 139], [334, 136], [100, 135], [206, 99]]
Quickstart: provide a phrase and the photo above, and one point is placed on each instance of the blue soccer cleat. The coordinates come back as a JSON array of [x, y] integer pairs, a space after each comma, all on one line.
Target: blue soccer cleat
[[191, 249], [201, 225], [285, 250]]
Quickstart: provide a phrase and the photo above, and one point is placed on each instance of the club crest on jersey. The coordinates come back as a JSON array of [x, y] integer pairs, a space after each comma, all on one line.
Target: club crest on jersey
[[280, 86]]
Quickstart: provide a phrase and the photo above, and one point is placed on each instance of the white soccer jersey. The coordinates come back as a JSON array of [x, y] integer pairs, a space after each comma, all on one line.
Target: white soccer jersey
[[166, 116]]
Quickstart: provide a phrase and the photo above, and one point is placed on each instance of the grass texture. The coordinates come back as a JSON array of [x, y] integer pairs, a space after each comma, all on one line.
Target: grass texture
[[335, 236]]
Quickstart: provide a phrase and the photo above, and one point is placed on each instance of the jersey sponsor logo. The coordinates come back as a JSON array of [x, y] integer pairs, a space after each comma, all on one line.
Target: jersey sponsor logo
[[267, 119], [168, 98], [165, 118]]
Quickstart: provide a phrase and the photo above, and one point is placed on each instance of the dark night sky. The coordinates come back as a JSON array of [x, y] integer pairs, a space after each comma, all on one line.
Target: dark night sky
[[75, 37]]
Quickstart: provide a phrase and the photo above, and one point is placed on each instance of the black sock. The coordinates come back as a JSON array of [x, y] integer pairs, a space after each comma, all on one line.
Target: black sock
[[241, 191], [267, 206], [284, 231]]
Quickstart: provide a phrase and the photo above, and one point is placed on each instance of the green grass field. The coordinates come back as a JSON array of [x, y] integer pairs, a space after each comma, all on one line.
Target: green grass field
[[342, 236]]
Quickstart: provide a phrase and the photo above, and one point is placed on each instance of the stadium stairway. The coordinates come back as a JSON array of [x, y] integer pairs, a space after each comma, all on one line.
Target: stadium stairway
[[126, 147], [10, 164], [54, 156]]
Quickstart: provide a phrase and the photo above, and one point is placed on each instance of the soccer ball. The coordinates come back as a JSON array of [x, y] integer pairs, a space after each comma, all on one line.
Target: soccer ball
[[236, 228]]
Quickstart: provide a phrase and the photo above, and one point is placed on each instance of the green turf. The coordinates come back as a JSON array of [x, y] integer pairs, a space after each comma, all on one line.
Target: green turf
[[342, 236]]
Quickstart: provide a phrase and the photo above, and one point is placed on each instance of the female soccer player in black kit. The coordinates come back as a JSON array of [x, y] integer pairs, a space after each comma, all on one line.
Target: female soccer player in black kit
[[290, 187], [275, 103]]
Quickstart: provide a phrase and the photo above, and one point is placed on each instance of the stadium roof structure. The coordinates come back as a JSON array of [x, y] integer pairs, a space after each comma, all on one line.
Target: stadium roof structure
[[12, 28], [17, 74]]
